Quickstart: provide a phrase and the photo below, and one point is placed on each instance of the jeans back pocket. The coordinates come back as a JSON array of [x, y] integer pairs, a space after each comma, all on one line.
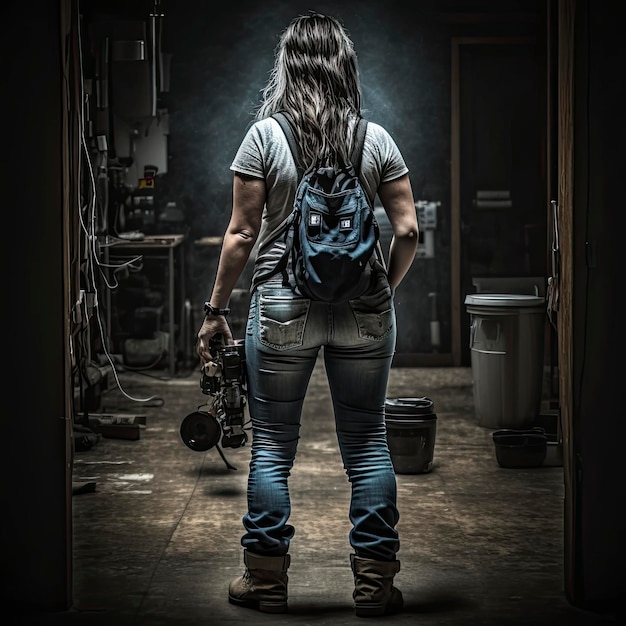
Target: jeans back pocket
[[373, 311], [281, 317]]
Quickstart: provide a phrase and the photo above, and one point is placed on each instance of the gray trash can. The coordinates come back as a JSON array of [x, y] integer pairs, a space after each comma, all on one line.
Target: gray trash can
[[507, 350]]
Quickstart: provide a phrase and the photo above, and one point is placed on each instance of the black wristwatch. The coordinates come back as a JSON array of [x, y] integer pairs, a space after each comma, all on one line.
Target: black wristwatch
[[208, 309]]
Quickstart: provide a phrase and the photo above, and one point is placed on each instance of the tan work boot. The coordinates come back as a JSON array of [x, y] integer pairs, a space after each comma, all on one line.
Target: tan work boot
[[374, 593], [263, 585]]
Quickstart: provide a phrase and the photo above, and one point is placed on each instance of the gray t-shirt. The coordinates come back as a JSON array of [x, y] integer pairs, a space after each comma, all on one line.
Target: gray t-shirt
[[264, 153]]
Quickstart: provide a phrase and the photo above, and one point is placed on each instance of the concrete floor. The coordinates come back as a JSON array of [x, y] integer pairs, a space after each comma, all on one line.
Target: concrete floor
[[157, 526]]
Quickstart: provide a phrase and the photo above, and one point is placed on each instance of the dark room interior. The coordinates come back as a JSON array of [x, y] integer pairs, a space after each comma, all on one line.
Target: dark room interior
[[123, 119]]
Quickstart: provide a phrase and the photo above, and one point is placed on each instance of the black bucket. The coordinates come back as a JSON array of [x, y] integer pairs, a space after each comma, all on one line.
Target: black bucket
[[520, 448], [411, 429]]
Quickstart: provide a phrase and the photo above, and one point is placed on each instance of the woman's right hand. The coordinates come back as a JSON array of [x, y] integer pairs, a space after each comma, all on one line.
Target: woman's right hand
[[211, 326]]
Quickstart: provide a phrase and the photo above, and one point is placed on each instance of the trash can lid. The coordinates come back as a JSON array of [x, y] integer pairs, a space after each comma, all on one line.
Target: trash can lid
[[422, 405], [503, 299]]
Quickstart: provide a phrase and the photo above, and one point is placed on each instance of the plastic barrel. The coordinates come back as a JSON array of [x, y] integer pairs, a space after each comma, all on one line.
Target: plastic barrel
[[411, 429], [507, 348]]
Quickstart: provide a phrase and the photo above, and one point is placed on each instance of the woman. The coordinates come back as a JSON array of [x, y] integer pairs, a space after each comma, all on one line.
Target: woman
[[315, 79]]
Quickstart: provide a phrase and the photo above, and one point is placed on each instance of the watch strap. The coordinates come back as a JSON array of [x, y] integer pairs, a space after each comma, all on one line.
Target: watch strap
[[208, 309]]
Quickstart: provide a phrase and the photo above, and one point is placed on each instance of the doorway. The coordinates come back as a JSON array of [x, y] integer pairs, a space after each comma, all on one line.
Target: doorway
[[498, 178]]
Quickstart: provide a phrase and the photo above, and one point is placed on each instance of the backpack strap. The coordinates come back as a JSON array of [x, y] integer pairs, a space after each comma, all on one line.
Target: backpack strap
[[290, 135], [283, 228], [356, 157], [359, 142]]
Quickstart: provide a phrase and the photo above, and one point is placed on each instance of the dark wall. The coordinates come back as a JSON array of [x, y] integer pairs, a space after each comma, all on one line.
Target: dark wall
[[35, 480], [221, 59]]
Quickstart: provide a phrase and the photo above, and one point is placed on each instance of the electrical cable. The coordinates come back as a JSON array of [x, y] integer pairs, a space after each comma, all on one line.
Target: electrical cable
[[88, 224]]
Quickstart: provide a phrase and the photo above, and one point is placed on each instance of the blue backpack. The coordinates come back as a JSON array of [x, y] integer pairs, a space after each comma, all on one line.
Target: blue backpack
[[331, 237]]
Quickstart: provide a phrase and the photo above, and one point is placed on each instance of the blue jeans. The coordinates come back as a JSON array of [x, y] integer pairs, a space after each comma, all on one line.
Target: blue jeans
[[284, 335]]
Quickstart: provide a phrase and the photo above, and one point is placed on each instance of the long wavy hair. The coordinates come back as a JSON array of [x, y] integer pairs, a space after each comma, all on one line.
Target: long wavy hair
[[315, 79]]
